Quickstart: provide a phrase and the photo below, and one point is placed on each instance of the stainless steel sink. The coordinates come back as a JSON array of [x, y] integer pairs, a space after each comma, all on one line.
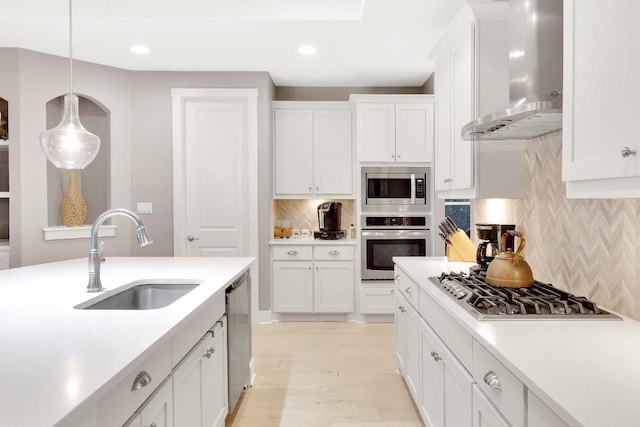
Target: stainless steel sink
[[142, 296]]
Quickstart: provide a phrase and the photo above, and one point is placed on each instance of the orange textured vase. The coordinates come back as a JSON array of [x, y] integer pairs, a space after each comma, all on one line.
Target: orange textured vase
[[73, 207]]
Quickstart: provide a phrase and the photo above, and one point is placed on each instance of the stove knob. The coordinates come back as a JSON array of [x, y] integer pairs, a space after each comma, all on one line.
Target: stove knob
[[460, 294]]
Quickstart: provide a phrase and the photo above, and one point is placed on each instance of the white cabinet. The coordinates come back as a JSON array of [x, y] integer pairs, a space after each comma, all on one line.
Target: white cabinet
[[540, 415], [446, 385], [200, 383], [313, 149], [157, 411], [400, 330], [600, 153], [377, 299], [312, 279], [471, 80], [408, 343], [395, 128], [484, 413]]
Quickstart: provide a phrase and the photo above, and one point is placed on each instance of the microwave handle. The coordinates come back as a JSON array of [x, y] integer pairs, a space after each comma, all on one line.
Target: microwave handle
[[413, 189]]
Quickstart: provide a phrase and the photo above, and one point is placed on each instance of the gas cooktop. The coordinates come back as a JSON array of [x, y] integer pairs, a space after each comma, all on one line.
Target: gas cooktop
[[540, 301]]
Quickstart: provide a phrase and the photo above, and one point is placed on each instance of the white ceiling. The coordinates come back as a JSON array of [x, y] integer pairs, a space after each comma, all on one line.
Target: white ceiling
[[359, 42]]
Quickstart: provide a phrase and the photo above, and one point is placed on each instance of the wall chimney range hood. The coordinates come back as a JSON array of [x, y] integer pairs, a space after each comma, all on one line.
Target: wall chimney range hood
[[535, 76]]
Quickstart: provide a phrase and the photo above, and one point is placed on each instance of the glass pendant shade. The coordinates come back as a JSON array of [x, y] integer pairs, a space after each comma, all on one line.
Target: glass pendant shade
[[69, 145]]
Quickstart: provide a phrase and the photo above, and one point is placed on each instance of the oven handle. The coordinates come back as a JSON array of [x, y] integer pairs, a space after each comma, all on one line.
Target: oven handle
[[395, 234]]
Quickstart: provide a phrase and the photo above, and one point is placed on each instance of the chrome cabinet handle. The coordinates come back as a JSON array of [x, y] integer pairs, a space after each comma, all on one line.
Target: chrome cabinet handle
[[153, 424], [435, 356], [292, 252], [491, 379], [141, 380], [401, 308], [209, 353], [408, 290], [627, 152], [192, 238], [447, 180], [334, 252]]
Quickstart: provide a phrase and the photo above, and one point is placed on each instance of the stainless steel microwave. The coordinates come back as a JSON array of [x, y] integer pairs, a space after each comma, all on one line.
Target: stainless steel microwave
[[395, 189]]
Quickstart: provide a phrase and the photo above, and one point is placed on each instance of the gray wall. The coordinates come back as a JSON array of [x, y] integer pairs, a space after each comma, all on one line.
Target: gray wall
[[299, 93]]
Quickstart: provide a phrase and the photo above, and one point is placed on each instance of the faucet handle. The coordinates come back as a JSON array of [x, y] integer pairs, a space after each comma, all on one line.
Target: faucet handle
[[101, 252]]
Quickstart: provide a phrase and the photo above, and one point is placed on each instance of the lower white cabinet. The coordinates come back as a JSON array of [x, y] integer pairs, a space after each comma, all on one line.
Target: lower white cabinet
[[199, 383], [157, 411], [412, 342], [540, 415], [484, 413], [446, 385], [400, 325], [318, 279], [377, 299]]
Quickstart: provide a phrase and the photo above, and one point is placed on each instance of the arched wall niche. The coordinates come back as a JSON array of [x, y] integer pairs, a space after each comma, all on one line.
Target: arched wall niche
[[95, 178]]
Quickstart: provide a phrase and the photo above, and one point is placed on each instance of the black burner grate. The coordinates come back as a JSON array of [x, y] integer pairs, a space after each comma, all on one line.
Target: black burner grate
[[541, 299]]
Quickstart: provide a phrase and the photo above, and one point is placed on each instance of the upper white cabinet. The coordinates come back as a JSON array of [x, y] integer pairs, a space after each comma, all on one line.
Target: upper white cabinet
[[471, 80], [394, 128], [313, 149], [600, 152]]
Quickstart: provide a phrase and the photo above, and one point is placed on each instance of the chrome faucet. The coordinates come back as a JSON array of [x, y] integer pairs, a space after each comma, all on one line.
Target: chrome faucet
[[96, 256]]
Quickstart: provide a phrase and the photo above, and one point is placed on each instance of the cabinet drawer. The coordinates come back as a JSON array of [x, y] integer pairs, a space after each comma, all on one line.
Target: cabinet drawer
[[118, 404], [502, 388], [408, 288], [333, 253], [292, 252], [377, 300], [457, 339]]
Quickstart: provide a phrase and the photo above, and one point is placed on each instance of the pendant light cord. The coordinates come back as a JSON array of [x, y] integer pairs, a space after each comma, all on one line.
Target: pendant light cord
[[70, 49]]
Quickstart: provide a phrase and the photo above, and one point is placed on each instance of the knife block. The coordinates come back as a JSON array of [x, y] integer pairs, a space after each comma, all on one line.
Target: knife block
[[461, 248]]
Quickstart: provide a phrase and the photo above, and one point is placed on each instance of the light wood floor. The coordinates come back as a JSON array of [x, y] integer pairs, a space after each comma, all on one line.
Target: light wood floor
[[333, 374]]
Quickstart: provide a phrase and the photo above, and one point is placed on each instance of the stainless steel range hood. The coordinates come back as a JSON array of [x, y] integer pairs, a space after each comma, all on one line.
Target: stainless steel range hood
[[535, 76]]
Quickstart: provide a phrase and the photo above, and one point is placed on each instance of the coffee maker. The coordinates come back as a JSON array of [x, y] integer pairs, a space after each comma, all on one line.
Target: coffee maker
[[329, 216], [490, 244]]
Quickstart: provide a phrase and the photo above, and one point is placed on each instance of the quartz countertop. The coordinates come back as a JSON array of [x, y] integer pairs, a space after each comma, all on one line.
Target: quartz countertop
[[55, 358], [585, 370]]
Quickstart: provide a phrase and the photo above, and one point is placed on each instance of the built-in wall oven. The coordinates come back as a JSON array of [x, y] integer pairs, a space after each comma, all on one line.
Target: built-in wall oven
[[397, 188], [388, 236]]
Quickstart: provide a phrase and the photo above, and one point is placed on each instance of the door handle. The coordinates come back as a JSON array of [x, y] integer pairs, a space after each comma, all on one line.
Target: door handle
[[192, 238]]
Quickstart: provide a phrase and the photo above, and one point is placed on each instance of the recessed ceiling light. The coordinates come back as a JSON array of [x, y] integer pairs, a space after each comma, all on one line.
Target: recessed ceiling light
[[142, 50], [307, 50]]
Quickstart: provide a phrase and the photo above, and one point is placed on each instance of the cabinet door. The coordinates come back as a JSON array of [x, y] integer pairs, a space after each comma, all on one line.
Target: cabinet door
[[400, 321], [375, 132], [412, 359], [414, 132], [134, 421], [458, 390], [333, 287], [188, 386], [540, 415], [333, 148], [293, 152], [292, 287], [444, 127], [462, 66], [432, 381], [158, 410], [215, 378], [484, 413], [598, 119]]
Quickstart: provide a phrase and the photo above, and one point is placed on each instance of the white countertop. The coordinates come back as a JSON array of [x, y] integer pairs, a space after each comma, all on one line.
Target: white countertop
[[312, 241], [587, 371], [55, 357]]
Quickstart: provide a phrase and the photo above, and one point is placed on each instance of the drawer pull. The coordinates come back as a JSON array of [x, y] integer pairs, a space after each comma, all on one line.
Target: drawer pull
[[153, 424], [292, 252], [435, 356], [401, 308], [334, 252], [209, 353], [626, 152], [393, 291], [408, 290], [142, 380], [491, 379]]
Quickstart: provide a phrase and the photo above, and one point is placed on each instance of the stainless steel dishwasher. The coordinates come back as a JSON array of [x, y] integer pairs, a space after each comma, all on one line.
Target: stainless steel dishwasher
[[238, 300]]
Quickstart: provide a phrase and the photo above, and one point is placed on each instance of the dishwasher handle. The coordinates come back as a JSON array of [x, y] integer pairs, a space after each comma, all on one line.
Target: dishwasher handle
[[238, 282]]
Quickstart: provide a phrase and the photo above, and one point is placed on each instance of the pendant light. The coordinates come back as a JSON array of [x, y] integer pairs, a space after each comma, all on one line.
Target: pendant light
[[69, 145]]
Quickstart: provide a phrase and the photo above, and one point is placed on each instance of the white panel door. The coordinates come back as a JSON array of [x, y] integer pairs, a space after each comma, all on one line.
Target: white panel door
[[188, 393], [462, 64], [375, 132], [414, 132], [158, 410], [215, 190], [333, 152], [444, 149], [293, 162], [292, 283], [333, 287]]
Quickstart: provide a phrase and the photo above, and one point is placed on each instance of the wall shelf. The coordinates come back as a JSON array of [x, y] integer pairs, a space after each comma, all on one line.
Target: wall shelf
[[62, 232]]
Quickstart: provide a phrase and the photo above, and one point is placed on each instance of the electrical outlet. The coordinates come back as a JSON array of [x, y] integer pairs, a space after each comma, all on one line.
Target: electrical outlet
[[145, 207]]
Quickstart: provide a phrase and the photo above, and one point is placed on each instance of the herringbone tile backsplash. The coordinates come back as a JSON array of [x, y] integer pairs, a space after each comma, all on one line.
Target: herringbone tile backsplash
[[589, 247], [303, 214]]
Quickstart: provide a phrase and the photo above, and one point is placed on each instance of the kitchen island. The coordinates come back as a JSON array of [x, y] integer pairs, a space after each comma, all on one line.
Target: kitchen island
[[60, 363], [577, 372]]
